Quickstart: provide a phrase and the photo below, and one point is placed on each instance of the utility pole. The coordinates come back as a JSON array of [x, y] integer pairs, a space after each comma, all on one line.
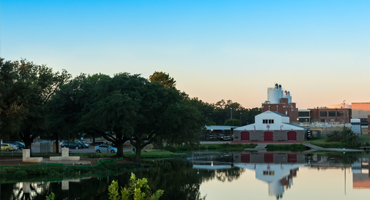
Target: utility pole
[[240, 118], [231, 111], [344, 113]]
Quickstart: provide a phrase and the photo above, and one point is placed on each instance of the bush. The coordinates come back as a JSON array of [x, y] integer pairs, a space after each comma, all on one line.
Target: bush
[[346, 136], [20, 174], [334, 137], [136, 190]]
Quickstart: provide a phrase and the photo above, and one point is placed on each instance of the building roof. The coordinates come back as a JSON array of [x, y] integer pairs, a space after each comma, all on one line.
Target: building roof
[[220, 127], [274, 113], [295, 125]]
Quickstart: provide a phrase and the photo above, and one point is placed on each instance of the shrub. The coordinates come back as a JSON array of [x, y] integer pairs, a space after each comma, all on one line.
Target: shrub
[[334, 137], [20, 174], [136, 190], [346, 136]]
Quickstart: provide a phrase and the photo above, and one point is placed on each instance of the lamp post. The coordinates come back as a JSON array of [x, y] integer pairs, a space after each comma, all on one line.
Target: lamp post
[[231, 111]]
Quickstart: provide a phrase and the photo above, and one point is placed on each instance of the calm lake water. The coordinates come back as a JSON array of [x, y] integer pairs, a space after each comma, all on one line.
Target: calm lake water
[[219, 176]]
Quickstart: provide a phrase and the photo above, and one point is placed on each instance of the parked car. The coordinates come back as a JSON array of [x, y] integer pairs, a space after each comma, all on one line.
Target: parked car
[[8, 147], [86, 145], [224, 137], [72, 145], [82, 144], [20, 145], [103, 148]]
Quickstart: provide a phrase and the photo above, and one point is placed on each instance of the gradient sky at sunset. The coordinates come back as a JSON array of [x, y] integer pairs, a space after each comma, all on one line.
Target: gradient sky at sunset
[[317, 49]]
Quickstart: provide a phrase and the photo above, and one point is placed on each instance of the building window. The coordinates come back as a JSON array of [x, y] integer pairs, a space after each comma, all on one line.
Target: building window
[[268, 121], [339, 114], [323, 113], [332, 120], [303, 114], [268, 173], [331, 113]]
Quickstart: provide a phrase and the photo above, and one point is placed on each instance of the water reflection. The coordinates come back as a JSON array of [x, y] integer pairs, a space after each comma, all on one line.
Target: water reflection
[[211, 175]]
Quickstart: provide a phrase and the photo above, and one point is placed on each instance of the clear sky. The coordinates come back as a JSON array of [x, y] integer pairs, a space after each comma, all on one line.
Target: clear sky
[[317, 49]]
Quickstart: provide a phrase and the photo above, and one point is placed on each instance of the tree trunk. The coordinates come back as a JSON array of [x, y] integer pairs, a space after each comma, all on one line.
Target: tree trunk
[[57, 142], [138, 155], [93, 135], [119, 146], [27, 139]]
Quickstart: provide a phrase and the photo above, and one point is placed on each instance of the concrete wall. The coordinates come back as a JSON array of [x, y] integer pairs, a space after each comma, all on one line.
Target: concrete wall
[[277, 135]]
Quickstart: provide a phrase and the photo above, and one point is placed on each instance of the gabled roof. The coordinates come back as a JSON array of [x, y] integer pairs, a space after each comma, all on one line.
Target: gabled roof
[[274, 113], [295, 125]]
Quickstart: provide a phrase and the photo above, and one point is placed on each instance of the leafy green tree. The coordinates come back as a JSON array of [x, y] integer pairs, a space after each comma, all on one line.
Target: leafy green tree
[[232, 122], [137, 189], [164, 78], [110, 107], [64, 110], [30, 87], [206, 109], [11, 107], [164, 113]]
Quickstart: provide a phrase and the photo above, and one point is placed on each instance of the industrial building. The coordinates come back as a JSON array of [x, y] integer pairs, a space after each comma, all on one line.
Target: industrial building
[[280, 101], [328, 115], [270, 126]]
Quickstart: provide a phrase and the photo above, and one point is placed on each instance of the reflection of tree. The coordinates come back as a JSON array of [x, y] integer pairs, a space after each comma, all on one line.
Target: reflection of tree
[[16, 190], [177, 178], [229, 174], [348, 158], [180, 181]]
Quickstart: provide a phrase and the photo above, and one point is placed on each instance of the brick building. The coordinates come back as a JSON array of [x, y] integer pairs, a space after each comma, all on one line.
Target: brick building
[[280, 101], [331, 115]]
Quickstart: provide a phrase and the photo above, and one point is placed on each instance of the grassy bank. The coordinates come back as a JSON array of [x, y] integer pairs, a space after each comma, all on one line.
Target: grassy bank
[[144, 154], [212, 147], [286, 147], [59, 171], [155, 154]]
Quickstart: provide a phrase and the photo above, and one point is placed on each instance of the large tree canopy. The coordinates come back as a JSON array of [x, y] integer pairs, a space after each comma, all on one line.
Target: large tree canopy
[[28, 88], [164, 78], [128, 107]]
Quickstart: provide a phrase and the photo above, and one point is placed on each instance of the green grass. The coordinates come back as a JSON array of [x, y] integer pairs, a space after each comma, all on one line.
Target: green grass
[[286, 147], [210, 147], [155, 154], [364, 138], [58, 171]]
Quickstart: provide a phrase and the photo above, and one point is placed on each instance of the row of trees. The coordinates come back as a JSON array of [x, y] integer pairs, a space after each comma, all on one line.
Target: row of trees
[[35, 101], [226, 112]]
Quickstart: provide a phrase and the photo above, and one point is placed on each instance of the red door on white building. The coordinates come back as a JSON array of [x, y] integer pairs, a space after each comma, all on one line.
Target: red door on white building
[[268, 136], [268, 157], [245, 157], [244, 135], [292, 135]]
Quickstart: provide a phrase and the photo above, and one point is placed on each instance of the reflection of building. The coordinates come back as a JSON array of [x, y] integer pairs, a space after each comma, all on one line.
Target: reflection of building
[[279, 177], [361, 174], [270, 126], [277, 169], [268, 157], [280, 101]]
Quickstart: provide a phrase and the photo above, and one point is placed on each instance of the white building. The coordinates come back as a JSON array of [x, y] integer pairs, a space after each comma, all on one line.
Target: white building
[[270, 126]]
